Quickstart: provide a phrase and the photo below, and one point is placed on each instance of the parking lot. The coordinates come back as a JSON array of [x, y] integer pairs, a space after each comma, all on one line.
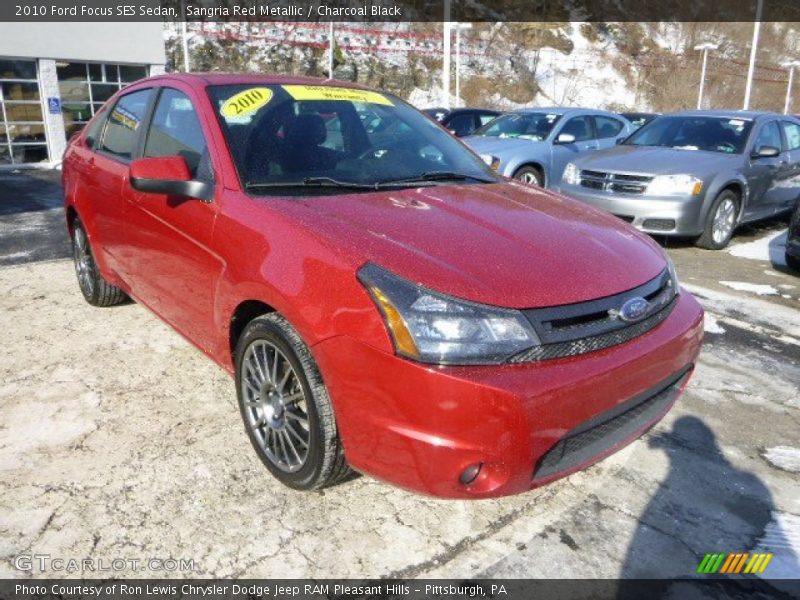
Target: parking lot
[[119, 440]]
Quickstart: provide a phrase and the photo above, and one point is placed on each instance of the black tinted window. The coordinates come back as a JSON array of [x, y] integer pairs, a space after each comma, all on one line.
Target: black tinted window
[[124, 123], [175, 130], [461, 124], [580, 127], [607, 127]]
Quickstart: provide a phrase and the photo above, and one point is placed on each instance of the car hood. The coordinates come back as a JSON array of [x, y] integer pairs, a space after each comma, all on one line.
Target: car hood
[[649, 160], [502, 244], [503, 146]]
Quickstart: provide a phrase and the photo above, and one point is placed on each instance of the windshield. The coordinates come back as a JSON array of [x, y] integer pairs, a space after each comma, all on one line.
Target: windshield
[[713, 134], [529, 126], [297, 136]]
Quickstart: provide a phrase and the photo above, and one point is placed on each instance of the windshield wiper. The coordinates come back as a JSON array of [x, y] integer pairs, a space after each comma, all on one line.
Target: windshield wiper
[[432, 176], [310, 182]]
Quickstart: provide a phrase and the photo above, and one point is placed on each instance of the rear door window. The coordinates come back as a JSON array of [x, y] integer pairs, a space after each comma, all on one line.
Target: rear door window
[[124, 124]]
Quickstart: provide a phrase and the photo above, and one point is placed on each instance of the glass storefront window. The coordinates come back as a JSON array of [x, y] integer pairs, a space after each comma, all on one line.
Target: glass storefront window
[[17, 69], [16, 111], [18, 90]]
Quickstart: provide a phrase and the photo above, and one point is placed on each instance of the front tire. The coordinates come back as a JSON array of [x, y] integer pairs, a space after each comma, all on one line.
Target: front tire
[[530, 175], [285, 406], [96, 290], [721, 222]]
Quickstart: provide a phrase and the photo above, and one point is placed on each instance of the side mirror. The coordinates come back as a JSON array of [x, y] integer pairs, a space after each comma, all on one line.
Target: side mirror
[[565, 138], [168, 175], [766, 152]]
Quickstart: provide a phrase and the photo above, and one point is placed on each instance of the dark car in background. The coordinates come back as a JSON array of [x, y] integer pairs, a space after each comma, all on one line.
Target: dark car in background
[[695, 173], [639, 119], [462, 121], [793, 240]]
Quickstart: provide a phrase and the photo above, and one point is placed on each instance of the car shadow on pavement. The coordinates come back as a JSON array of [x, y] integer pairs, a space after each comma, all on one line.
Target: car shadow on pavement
[[704, 505]]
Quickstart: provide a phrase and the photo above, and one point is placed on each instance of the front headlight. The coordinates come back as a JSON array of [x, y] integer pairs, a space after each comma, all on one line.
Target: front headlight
[[675, 185], [435, 328], [572, 174]]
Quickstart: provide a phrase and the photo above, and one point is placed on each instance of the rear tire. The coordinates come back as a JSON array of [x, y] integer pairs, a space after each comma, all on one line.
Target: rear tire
[[530, 175], [721, 221], [96, 290], [285, 406]]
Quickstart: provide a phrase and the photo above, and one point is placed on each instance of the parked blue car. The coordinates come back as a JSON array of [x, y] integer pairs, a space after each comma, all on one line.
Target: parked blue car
[[534, 145]]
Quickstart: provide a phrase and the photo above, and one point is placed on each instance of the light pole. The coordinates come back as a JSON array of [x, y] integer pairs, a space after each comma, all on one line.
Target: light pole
[[705, 48], [184, 38], [789, 65], [459, 27], [446, 57], [330, 50], [756, 29]]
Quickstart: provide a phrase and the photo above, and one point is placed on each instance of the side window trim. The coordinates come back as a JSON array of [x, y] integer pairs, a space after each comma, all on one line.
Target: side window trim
[[110, 155]]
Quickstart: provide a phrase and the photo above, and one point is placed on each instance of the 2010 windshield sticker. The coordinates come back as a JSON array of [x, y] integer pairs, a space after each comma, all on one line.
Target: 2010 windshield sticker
[[320, 92], [245, 102]]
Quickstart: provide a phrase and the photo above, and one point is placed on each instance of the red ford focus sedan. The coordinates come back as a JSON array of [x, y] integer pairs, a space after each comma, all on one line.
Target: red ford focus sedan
[[384, 301]]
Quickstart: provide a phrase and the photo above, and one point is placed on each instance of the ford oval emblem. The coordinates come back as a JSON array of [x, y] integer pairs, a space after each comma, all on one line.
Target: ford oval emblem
[[634, 309]]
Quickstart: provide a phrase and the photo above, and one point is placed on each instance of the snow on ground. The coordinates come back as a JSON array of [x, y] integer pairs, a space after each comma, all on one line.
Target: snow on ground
[[765, 317], [782, 538], [770, 248], [711, 325], [756, 288], [784, 457]]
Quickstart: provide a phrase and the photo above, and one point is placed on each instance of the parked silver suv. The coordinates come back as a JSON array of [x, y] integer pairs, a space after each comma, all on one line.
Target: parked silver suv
[[695, 173]]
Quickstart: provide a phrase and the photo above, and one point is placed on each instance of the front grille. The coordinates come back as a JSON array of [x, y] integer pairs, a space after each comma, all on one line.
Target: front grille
[[575, 329], [604, 431], [614, 182]]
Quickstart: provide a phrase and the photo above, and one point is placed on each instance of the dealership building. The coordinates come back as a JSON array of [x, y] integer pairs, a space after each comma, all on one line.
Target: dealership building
[[54, 76]]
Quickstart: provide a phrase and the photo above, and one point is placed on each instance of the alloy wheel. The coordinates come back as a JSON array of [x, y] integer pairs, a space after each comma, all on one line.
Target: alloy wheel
[[84, 263], [275, 406], [724, 220]]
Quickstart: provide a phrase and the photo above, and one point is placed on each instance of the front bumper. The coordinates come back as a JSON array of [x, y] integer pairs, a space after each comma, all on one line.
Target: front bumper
[[420, 427], [661, 215]]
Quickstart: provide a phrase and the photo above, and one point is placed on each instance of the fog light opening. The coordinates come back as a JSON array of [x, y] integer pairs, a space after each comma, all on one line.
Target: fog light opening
[[470, 474]]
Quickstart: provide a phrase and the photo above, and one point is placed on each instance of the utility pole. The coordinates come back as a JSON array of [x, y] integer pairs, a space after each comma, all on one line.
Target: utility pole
[[459, 27], [751, 68], [330, 50], [790, 65], [705, 48], [184, 38], [446, 57]]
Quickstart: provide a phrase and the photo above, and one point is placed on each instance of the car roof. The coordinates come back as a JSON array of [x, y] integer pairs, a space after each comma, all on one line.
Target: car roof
[[206, 79], [562, 110], [456, 111], [726, 114]]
